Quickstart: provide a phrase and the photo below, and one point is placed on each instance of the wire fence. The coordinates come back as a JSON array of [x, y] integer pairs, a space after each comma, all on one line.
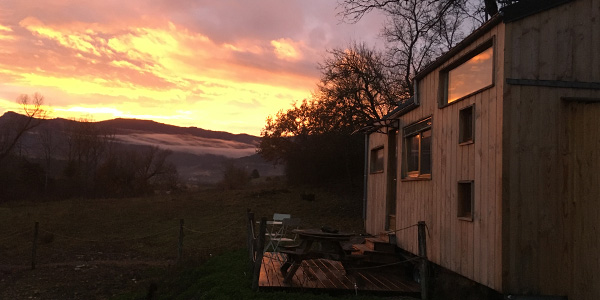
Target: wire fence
[[43, 245]]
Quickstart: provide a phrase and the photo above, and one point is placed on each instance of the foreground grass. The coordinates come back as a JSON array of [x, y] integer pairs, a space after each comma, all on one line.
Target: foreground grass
[[103, 248], [223, 277]]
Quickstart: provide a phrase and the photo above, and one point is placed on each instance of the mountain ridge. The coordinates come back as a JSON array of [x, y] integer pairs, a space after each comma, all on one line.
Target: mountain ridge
[[200, 155]]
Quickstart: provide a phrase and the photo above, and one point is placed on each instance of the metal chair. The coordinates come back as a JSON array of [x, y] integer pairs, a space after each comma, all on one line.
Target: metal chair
[[274, 229]]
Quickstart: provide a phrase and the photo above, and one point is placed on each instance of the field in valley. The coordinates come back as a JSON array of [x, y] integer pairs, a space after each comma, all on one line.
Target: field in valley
[[115, 248]]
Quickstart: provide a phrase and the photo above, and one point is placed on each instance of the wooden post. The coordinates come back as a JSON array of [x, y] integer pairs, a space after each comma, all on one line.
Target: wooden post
[[250, 241], [34, 246], [259, 252], [424, 268], [180, 248]]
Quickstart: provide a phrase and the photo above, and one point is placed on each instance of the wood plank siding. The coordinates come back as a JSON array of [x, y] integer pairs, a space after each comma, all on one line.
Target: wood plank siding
[[533, 163], [471, 248], [550, 226], [376, 187]]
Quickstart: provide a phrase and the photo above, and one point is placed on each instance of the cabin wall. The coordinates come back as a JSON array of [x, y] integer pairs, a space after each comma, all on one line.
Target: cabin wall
[[550, 205], [470, 248], [376, 188]]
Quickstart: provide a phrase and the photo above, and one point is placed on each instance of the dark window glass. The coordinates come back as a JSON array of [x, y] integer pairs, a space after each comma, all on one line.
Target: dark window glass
[[377, 160], [412, 145], [465, 200], [426, 152], [465, 125], [417, 150]]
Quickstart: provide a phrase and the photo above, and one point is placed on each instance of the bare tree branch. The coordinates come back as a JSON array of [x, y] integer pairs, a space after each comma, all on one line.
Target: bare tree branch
[[34, 114]]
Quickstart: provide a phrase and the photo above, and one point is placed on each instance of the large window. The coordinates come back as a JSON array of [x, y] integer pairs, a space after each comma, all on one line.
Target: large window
[[473, 73], [417, 150]]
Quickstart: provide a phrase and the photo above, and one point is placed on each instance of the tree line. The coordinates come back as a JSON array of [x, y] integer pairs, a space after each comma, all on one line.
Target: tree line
[[74, 159], [317, 138]]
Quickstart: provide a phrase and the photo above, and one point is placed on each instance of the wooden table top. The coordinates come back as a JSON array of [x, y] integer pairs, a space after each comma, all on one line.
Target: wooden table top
[[318, 233]]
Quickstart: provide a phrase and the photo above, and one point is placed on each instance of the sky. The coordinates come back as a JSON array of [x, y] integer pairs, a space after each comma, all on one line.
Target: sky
[[214, 64]]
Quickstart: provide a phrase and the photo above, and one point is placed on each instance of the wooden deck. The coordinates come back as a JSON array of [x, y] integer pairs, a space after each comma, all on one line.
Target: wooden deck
[[330, 275]]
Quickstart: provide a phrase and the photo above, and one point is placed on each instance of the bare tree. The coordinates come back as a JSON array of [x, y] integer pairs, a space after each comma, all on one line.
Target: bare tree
[[49, 146], [14, 131], [356, 77], [417, 31]]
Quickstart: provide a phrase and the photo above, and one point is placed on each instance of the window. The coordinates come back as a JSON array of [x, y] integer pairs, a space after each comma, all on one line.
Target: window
[[465, 125], [377, 160], [417, 150], [469, 75], [465, 200]]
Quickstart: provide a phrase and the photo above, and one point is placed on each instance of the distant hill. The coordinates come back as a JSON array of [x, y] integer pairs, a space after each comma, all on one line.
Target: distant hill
[[125, 126], [199, 154]]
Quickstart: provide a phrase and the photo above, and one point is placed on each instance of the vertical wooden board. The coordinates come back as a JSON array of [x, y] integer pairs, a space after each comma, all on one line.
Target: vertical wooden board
[[491, 188], [595, 32], [483, 219], [581, 26], [547, 194], [442, 183], [585, 140], [455, 230], [470, 230], [593, 214], [564, 46], [529, 186], [576, 135], [477, 247], [565, 259], [547, 54], [499, 90], [527, 41], [511, 220], [436, 173]]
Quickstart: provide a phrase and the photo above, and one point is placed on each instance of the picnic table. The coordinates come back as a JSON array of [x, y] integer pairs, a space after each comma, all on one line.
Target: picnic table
[[315, 243]]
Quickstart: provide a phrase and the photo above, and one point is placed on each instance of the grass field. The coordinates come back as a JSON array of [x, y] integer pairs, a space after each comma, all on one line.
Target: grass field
[[115, 248]]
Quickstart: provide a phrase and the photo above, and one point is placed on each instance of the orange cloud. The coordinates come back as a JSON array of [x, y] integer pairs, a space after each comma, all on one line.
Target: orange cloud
[[286, 49]]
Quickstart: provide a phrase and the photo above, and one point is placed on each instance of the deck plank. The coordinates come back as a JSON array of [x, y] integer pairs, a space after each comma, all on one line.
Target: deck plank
[[330, 275]]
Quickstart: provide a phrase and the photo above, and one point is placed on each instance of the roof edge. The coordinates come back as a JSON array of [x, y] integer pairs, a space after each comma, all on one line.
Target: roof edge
[[525, 8], [479, 32]]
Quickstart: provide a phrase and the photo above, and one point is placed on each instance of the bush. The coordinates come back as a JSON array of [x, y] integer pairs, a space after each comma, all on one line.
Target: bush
[[234, 177]]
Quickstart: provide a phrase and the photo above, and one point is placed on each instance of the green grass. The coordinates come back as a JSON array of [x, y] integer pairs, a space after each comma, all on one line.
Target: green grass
[[224, 277], [132, 231]]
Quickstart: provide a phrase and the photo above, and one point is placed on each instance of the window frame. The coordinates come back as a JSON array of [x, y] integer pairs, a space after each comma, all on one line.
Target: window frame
[[410, 131], [444, 73], [462, 140], [374, 167], [461, 203]]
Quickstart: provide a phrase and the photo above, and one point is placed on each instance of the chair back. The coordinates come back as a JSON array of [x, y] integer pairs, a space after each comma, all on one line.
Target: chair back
[[280, 217]]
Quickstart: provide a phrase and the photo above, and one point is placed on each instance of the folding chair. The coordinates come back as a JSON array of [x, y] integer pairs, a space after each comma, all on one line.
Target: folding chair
[[274, 229], [285, 234]]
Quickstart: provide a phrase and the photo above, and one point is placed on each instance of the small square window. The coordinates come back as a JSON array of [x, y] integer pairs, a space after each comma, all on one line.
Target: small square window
[[465, 200], [466, 128], [376, 161]]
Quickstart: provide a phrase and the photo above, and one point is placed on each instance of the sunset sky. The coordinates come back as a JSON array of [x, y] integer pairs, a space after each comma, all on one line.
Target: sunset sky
[[214, 64]]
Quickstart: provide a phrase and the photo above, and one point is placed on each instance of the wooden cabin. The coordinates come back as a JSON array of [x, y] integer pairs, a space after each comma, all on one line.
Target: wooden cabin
[[499, 153]]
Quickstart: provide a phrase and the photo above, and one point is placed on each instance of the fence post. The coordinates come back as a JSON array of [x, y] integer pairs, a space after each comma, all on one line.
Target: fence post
[[250, 239], [180, 248], [424, 268], [34, 245], [259, 252]]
